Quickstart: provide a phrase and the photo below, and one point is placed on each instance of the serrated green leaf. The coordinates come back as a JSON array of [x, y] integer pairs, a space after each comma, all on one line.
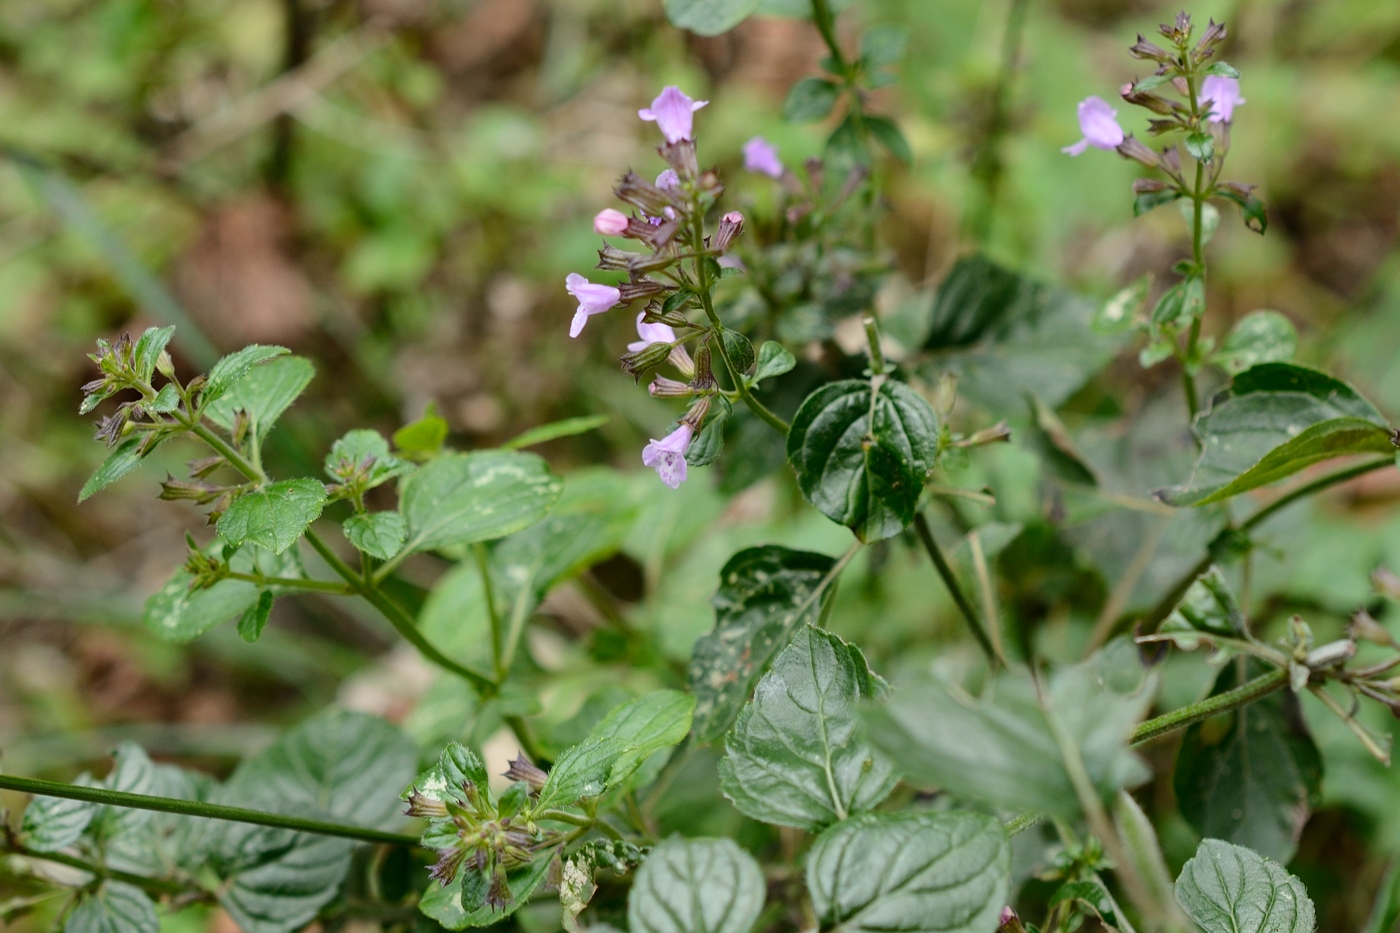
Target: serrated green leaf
[[1181, 304], [463, 498], [581, 772], [264, 393], [646, 725], [53, 823], [1001, 749], [696, 886], [862, 456], [1274, 420], [122, 460], [1150, 200], [912, 872], [422, 439], [1227, 888], [232, 368], [166, 400], [795, 756], [1258, 337], [883, 45], [556, 429], [707, 446], [361, 458], [114, 907], [740, 351], [811, 99], [1201, 146], [773, 360], [764, 594], [148, 349], [708, 17], [275, 516], [890, 136], [1250, 776], [254, 618], [378, 534]]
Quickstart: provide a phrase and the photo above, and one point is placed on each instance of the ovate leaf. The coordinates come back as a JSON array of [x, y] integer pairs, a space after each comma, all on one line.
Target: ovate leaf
[[1227, 888], [1258, 337], [708, 17], [114, 907], [378, 534], [795, 757], [773, 360], [264, 394], [275, 516], [765, 593], [696, 886], [232, 368], [862, 455], [124, 458], [647, 725], [254, 618], [362, 457], [581, 772], [148, 349], [53, 823], [911, 872], [463, 498], [811, 99]]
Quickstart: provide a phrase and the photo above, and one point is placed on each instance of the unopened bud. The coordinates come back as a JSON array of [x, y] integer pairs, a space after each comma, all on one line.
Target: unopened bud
[[656, 313], [642, 195], [1213, 36], [1364, 627], [639, 288], [1154, 102], [1146, 50], [523, 769], [643, 361], [613, 259], [165, 365], [730, 226], [1171, 159], [1131, 148], [681, 157], [661, 387], [610, 223]]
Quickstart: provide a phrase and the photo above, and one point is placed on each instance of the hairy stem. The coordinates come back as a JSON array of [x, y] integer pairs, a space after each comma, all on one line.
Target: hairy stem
[[940, 563], [293, 583], [214, 811], [1245, 693], [483, 566], [757, 407]]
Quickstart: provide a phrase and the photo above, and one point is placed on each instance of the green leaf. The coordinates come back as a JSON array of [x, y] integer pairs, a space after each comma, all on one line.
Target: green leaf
[[1251, 208], [890, 136], [797, 9], [1150, 200], [1258, 337], [1004, 335], [1222, 70], [1094, 895], [444, 904], [162, 844], [265, 393], [1201, 146], [53, 823], [709, 443], [114, 907], [794, 758], [124, 458], [464, 498], [883, 45], [708, 17], [1001, 749], [179, 613], [581, 772], [275, 516], [773, 360], [556, 429], [645, 725], [764, 594], [232, 368], [696, 886], [148, 349], [863, 461], [166, 400], [254, 618], [132, 772], [1208, 606], [1120, 313], [1274, 420], [361, 459], [378, 534], [811, 99], [422, 439], [1227, 888], [1181, 304], [1250, 776], [739, 350], [912, 872]]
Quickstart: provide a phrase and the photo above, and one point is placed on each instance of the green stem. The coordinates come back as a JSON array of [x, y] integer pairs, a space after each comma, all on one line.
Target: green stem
[[1317, 485], [872, 337], [225, 450], [293, 583], [940, 563], [213, 811], [1245, 693], [826, 25], [156, 885], [483, 566], [987, 165]]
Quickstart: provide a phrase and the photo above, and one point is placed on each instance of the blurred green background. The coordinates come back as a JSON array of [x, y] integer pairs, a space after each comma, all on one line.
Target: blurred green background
[[397, 188]]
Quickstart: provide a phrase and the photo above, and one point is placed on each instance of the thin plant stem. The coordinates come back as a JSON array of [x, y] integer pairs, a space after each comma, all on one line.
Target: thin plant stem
[[940, 563], [155, 885], [293, 583], [483, 566], [1245, 693], [826, 25], [200, 808], [987, 165]]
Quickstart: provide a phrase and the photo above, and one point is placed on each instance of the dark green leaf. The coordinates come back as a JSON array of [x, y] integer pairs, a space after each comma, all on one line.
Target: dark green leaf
[[1208, 606], [166, 400], [464, 498], [1252, 775], [811, 99], [179, 613], [422, 439], [362, 458], [114, 907], [1001, 749], [912, 872], [378, 534], [122, 460], [1227, 888], [765, 593], [795, 757], [265, 393], [1222, 70], [254, 618], [739, 350], [556, 429], [275, 516], [1274, 420], [696, 886], [232, 368], [581, 772], [1094, 895], [161, 844], [709, 443], [883, 45], [1148, 200], [844, 147], [863, 462], [708, 17], [890, 136], [1258, 337], [645, 725], [132, 772], [445, 904], [53, 823], [773, 360], [148, 349], [1251, 208], [1201, 146], [1181, 304]]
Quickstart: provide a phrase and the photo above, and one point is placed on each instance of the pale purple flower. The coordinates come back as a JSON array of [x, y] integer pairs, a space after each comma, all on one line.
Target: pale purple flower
[[673, 113], [592, 299], [1222, 95], [651, 333], [1097, 123], [762, 156], [668, 181], [610, 223], [667, 456]]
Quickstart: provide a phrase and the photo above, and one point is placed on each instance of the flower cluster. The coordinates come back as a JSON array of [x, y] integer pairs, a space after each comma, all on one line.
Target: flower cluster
[[673, 276]]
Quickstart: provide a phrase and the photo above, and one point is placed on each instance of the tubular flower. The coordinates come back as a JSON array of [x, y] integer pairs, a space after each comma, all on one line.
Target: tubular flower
[[762, 156], [592, 299], [1097, 123], [667, 456], [673, 112], [1223, 96], [661, 333]]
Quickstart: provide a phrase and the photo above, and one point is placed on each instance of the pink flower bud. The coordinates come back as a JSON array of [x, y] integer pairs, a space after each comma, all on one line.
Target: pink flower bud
[[762, 156], [668, 181], [672, 111], [1097, 123], [592, 299], [667, 456], [610, 223], [1222, 96]]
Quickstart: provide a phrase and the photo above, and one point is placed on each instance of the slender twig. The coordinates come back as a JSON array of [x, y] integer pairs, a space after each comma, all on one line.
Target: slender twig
[[200, 808], [483, 566], [940, 563], [1245, 693], [295, 583], [1317, 485], [155, 885]]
